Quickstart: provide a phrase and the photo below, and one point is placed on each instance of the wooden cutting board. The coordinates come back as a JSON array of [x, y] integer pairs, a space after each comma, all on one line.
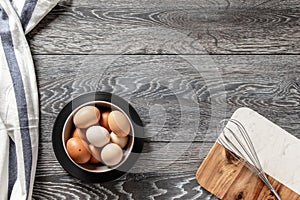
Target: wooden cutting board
[[227, 178]]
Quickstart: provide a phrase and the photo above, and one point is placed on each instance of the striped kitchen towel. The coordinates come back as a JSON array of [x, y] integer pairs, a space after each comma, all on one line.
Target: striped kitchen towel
[[19, 107]]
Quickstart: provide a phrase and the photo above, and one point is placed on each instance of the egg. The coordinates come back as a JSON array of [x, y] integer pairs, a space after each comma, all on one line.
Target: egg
[[86, 116], [104, 120], [111, 154], [119, 123], [93, 160], [79, 133], [96, 155], [77, 150], [97, 136], [121, 141]]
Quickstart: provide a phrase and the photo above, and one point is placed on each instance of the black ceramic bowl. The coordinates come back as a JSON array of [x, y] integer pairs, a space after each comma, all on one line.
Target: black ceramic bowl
[[63, 128]]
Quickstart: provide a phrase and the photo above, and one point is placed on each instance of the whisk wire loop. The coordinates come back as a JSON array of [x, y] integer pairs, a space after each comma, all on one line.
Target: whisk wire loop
[[240, 143]]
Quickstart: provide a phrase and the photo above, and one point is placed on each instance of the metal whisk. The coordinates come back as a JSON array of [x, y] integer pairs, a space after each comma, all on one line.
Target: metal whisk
[[239, 142]]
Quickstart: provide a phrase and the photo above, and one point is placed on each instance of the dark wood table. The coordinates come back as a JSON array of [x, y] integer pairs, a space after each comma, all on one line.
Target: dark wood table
[[183, 64]]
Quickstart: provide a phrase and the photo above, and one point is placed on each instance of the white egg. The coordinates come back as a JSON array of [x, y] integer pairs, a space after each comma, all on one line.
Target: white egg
[[111, 154], [121, 141], [97, 136]]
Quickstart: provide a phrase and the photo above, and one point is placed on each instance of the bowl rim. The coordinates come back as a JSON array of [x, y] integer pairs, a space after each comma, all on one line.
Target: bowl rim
[[114, 107], [63, 157]]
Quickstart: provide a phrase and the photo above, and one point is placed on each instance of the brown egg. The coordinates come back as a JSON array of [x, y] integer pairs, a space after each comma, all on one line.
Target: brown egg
[[118, 123], [104, 120], [86, 116], [80, 133], [96, 152], [77, 150], [93, 160]]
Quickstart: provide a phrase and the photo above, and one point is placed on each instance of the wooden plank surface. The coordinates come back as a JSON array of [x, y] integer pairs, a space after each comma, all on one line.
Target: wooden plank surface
[[133, 186], [159, 27], [151, 160], [85, 45], [228, 178], [154, 175], [264, 83], [170, 92]]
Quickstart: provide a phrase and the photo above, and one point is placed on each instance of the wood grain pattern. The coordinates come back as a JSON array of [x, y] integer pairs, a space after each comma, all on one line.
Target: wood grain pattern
[[146, 180], [170, 92], [275, 4], [87, 45], [133, 186], [151, 160], [195, 27], [268, 84], [227, 178]]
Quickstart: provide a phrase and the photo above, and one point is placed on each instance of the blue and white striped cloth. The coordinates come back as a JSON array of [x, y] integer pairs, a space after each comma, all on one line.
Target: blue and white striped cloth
[[19, 106]]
